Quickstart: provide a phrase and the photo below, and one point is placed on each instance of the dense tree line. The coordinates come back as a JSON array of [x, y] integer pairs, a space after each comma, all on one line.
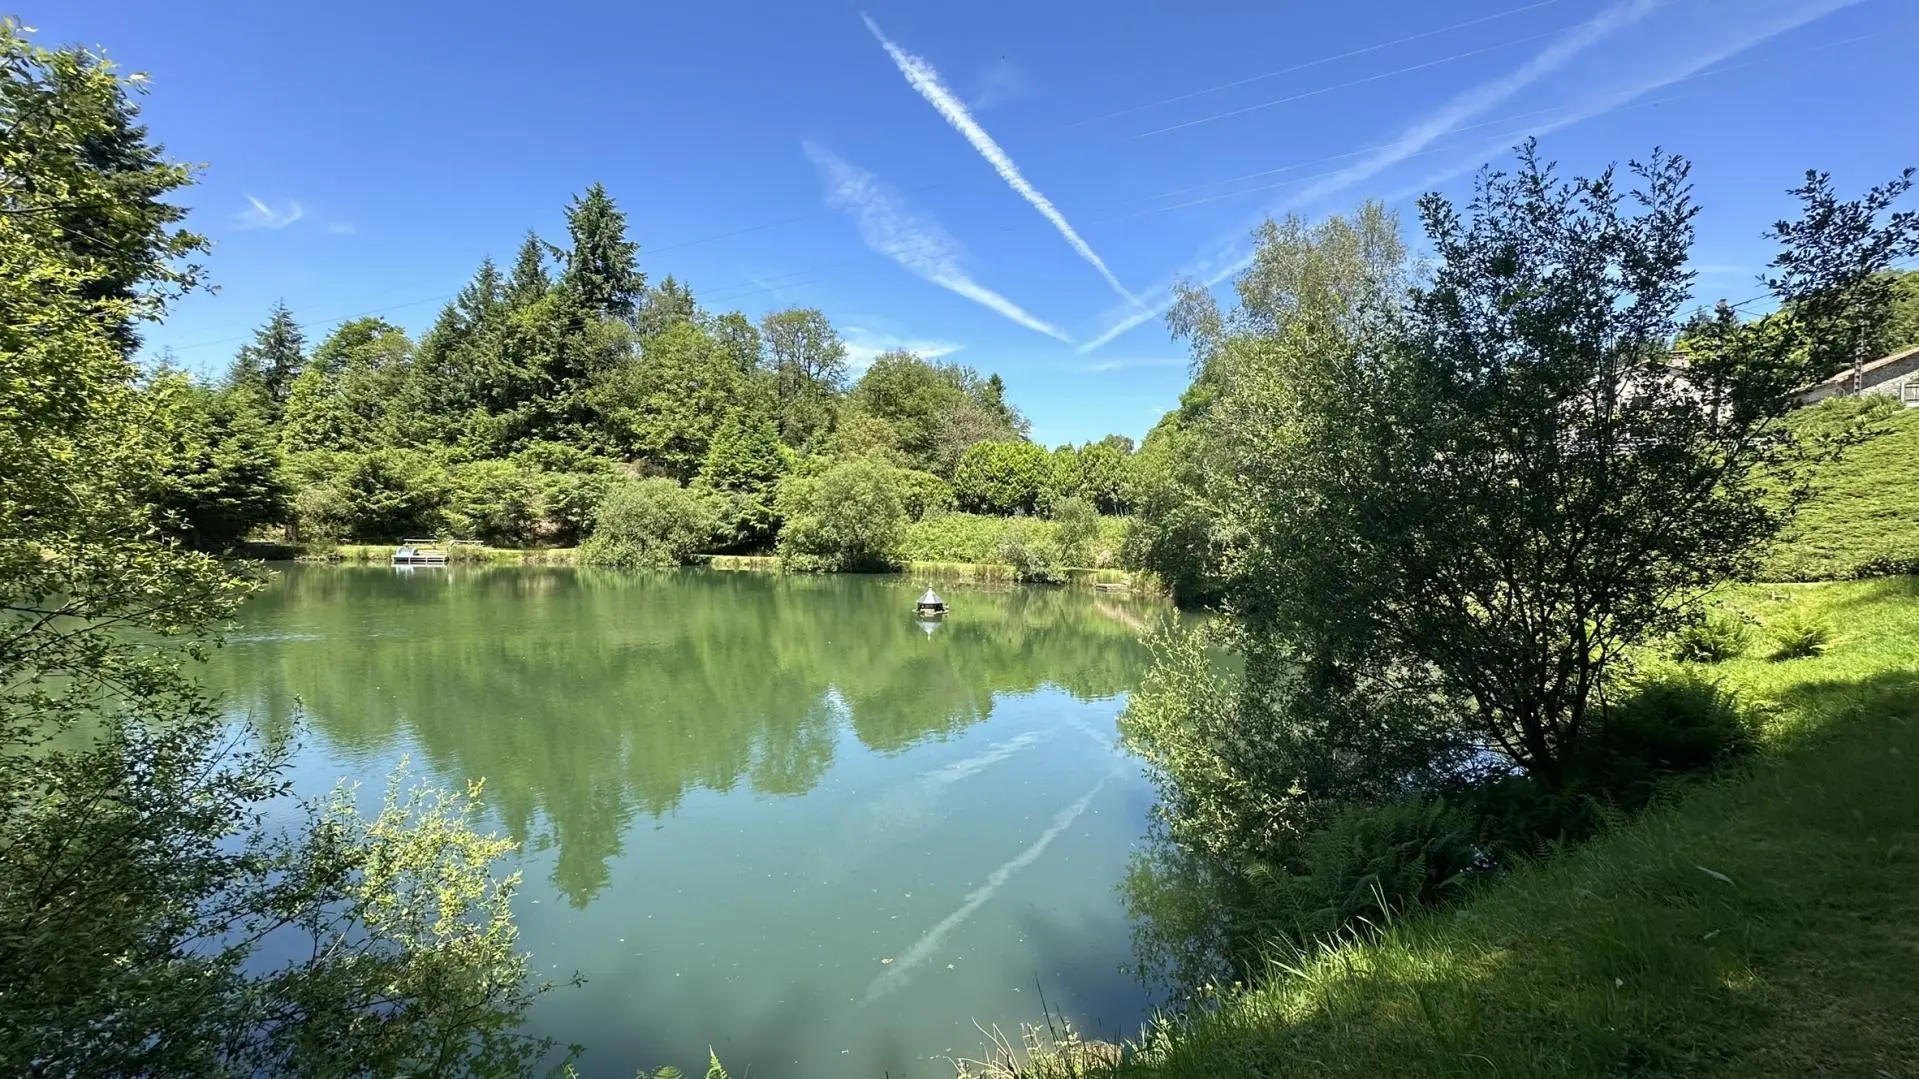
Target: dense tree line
[[569, 385]]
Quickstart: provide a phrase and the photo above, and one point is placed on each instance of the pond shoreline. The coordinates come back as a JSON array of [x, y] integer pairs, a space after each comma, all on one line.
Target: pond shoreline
[[1108, 580]]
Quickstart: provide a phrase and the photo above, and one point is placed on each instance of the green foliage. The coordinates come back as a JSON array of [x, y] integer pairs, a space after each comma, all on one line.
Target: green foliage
[[141, 871], [808, 362], [1714, 638], [1373, 863], [1100, 472], [848, 517], [977, 539], [1178, 535], [1629, 950], [382, 496], [1799, 638], [744, 462], [651, 522], [218, 471], [268, 366], [924, 494], [602, 272], [1002, 478], [1076, 530], [1831, 271], [1397, 477], [1666, 726], [668, 401]]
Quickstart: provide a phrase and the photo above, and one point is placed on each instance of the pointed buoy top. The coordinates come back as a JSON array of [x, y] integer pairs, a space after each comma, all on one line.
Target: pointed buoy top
[[931, 599]]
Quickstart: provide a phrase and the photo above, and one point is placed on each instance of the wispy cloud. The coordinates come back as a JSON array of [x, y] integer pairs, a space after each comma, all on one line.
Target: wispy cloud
[[1726, 30], [890, 228], [340, 228], [863, 345], [1103, 366], [1486, 95], [921, 76], [259, 215]]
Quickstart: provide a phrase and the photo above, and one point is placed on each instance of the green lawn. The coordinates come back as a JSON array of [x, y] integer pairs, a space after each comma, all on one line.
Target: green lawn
[[1764, 925], [1865, 518]]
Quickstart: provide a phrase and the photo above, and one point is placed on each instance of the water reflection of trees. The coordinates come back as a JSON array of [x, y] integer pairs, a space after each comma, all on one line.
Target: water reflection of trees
[[587, 699]]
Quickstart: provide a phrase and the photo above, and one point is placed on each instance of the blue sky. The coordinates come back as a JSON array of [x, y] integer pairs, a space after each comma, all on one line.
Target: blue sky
[[1013, 184]]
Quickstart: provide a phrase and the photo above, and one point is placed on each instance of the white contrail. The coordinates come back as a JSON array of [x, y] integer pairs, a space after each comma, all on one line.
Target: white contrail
[[1482, 97], [929, 942], [921, 76], [1452, 116], [918, 244]]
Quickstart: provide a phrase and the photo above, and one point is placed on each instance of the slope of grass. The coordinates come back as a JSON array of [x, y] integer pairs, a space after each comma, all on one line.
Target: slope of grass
[[1865, 518], [1765, 925]]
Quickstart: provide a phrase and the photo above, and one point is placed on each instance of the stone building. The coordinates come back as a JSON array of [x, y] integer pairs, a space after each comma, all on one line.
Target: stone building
[[1896, 376]]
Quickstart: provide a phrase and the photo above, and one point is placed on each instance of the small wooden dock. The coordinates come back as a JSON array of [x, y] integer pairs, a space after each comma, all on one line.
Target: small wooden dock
[[418, 552]]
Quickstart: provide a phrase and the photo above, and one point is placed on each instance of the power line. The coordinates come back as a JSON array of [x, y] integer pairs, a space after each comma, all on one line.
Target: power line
[[1316, 63], [1304, 94]]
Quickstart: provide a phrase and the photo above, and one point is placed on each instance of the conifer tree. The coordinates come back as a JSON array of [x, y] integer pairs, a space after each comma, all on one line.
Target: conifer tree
[[602, 268]]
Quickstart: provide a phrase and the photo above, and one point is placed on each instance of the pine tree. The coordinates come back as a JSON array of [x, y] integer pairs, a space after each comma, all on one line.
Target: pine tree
[[268, 364], [529, 281], [483, 299], [602, 269], [668, 305]]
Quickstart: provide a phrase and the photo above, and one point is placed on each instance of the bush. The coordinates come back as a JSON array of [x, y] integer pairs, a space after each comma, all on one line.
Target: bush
[[653, 522], [493, 501], [368, 497], [1675, 724], [924, 494], [1003, 477], [1076, 528], [1718, 637], [1372, 862], [1799, 637], [1035, 561], [1665, 727], [848, 517]]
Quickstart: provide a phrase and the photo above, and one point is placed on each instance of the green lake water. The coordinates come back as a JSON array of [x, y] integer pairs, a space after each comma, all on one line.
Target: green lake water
[[740, 794]]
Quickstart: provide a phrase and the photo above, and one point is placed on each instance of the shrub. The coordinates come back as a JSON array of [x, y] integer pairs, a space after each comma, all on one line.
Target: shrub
[[1679, 723], [1718, 637], [493, 501], [1663, 728], [652, 522], [368, 497], [1372, 862], [849, 517], [1034, 561], [924, 494], [1799, 637], [1076, 525], [1002, 477]]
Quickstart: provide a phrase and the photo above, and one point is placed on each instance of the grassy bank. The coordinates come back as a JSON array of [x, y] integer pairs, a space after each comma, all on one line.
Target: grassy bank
[[960, 572], [1763, 925], [1865, 518], [382, 554]]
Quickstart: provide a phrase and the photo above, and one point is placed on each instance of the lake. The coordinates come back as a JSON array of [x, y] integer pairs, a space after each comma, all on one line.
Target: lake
[[776, 815]]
